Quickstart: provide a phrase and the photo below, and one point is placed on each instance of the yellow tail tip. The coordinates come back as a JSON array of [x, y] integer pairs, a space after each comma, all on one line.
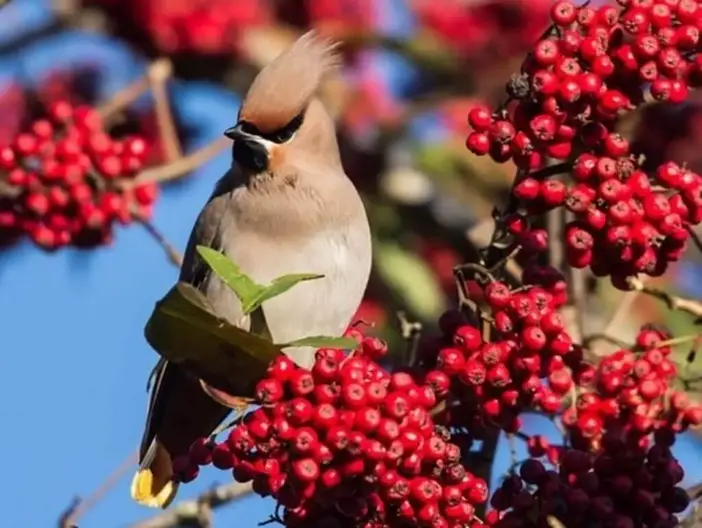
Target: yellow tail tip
[[142, 490]]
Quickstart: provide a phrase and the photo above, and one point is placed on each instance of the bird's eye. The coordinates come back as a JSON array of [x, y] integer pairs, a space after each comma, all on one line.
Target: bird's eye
[[284, 134]]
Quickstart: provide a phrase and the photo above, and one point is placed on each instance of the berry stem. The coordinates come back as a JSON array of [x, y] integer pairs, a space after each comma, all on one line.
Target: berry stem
[[548, 171], [173, 254], [679, 340], [411, 331], [476, 268], [505, 260]]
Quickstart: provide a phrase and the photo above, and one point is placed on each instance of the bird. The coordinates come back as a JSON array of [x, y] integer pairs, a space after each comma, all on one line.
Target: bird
[[285, 206]]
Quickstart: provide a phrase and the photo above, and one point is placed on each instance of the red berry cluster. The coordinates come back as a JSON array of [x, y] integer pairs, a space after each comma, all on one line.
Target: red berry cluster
[[63, 180], [597, 64], [211, 27], [624, 486], [470, 27], [529, 362], [631, 389], [349, 437]]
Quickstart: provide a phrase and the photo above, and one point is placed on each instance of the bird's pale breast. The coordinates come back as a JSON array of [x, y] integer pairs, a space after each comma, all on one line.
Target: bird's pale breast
[[318, 307]]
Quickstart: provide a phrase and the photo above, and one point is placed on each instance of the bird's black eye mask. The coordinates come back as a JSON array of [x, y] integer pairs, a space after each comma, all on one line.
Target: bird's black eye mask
[[282, 135]]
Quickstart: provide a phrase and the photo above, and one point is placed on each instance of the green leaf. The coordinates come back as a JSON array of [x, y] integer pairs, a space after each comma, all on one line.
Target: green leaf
[[323, 342], [240, 283], [251, 294], [184, 329], [278, 286]]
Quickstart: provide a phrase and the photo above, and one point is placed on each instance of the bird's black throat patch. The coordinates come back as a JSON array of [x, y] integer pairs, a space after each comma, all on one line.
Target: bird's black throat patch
[[250, 154]]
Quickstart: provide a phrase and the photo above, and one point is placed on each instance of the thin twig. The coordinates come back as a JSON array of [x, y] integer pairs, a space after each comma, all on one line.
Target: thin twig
[[182, 166], [190, 512], [411, 332], [480, 234], [158, 75], [124, 97], [695, 237], [66, 518], [674, 302], [506, 259], [171, 252], [80, 507], [477, 269]]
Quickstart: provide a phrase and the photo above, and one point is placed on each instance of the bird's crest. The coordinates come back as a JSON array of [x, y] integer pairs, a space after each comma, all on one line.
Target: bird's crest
[[283, 88]]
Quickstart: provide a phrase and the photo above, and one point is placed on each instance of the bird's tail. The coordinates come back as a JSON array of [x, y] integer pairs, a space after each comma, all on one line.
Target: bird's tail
[[153, 484]]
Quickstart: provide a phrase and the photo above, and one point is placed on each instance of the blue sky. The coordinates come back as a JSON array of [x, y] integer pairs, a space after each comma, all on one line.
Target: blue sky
[[74, 363]]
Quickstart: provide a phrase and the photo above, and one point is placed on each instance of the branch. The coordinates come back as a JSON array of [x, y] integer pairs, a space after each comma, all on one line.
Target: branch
[[158, 71], [196, 512], [79, 507], [674, 302], [66, 518], [158, 75], [177, 169], [171, 252], [411, 332]]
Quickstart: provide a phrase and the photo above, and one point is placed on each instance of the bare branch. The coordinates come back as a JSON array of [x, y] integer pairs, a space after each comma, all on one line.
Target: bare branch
[[411, 331], [674, 302], [131, 92], [79, 507], [171, 252], [177, 169], [158, 75], [196, 512]]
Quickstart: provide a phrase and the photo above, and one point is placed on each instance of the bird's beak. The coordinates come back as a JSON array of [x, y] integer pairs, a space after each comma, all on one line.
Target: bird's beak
[[235, 132]]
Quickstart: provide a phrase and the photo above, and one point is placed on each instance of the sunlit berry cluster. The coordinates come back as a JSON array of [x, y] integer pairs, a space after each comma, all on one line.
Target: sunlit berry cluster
[[624, 486], [529, 361], [347, 438], [596, 65], [66, 181], [631, 390]]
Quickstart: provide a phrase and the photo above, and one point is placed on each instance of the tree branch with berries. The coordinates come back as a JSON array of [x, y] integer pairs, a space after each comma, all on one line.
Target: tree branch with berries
[[370, 441], [367, 438], [67, 180]]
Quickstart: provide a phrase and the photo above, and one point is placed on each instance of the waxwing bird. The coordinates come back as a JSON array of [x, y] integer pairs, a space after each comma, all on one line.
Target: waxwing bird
[[285, 206]]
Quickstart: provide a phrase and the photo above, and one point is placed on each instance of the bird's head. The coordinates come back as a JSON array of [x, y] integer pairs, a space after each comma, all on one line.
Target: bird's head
[[281, 121]]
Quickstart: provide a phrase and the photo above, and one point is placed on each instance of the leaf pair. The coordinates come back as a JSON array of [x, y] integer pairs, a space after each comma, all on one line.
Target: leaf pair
[[251, 294], [185, 329]]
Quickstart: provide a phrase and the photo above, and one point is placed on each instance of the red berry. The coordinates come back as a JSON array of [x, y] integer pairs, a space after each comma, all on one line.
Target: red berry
[[480, 118]]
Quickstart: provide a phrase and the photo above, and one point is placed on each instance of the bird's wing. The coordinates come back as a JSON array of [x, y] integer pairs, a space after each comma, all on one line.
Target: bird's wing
[[179, 411], [206, 231]]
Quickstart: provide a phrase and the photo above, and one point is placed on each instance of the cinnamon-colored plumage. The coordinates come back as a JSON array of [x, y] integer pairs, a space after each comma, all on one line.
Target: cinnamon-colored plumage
[[286, 206]]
